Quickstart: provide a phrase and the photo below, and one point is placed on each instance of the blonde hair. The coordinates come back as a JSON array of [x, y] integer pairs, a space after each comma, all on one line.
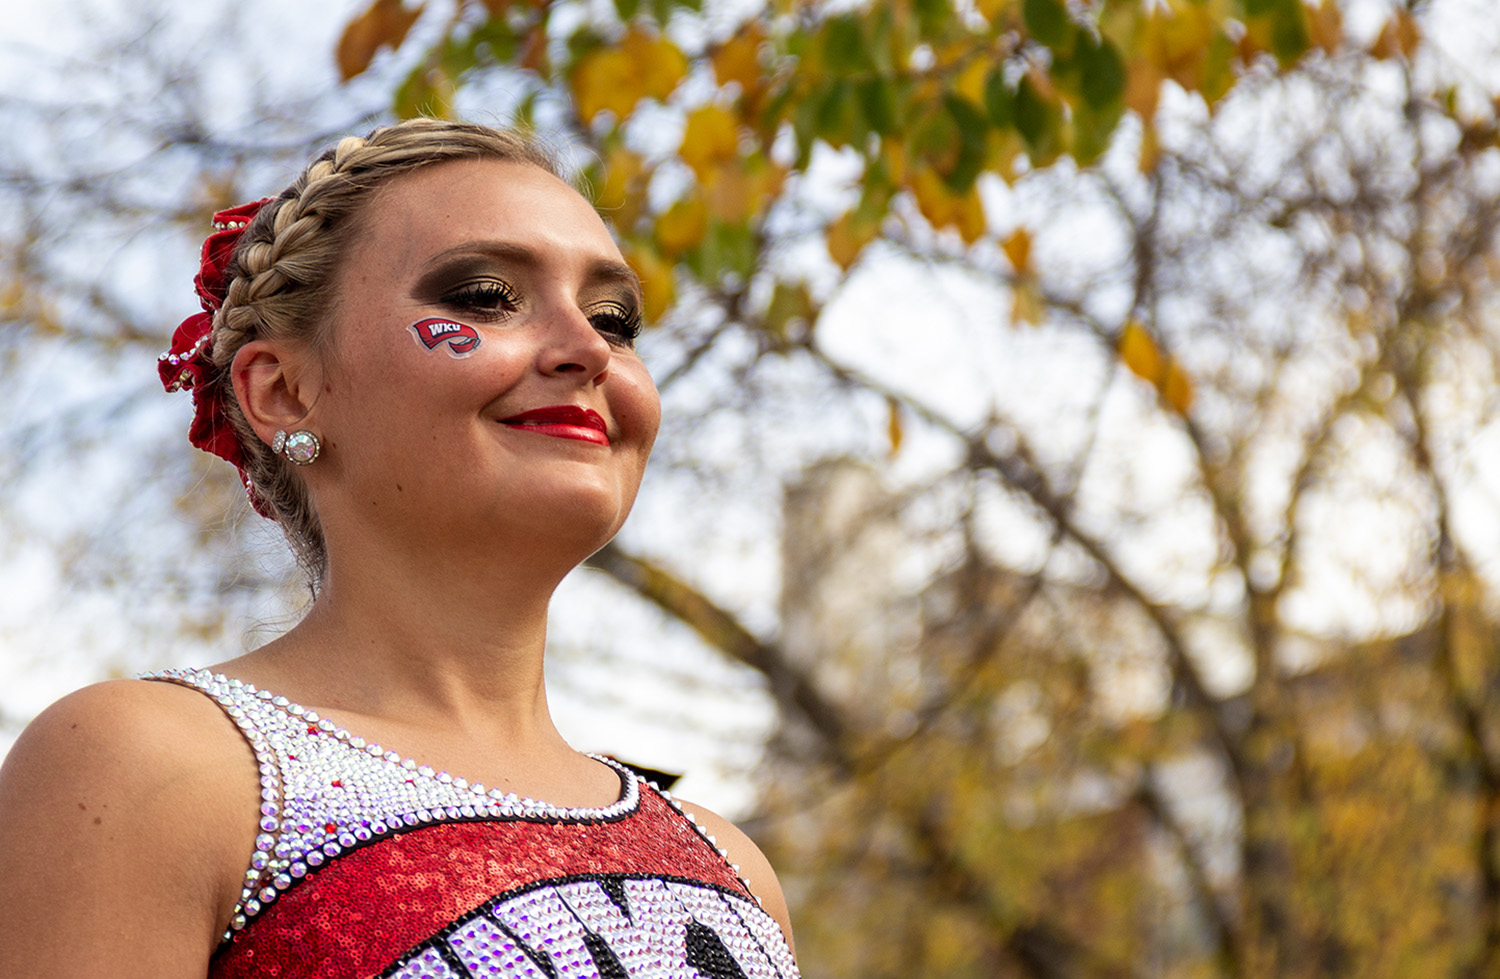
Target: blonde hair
[[280, 281]]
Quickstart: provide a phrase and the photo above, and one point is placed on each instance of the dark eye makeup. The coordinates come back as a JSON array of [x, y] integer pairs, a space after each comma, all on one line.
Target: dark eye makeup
[[487, 300], [472, 291], [619, 323]]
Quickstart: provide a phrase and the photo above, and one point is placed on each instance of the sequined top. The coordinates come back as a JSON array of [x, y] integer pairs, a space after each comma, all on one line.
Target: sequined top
[[370, 865]]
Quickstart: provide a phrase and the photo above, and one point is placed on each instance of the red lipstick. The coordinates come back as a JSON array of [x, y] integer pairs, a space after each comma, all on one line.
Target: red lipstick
[[562, 421]]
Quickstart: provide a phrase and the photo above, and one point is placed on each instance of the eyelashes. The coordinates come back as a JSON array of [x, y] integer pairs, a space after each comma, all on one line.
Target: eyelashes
[[618, 323], [488, 300], [494, 300]]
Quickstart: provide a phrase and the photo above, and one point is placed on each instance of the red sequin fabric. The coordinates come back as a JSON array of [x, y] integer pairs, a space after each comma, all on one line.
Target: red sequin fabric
[[370, 865]]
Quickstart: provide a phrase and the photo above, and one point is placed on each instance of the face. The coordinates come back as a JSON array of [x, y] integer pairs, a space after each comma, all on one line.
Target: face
[[523, 412]]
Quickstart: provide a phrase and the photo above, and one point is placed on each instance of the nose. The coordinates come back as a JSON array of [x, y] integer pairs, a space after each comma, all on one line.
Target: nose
[[573, 347]]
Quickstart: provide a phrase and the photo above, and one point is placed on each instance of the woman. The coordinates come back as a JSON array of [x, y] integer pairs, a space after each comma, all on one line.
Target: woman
[[419, 356]]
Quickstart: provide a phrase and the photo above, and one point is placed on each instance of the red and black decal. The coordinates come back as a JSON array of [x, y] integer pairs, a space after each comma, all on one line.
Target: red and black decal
[[461, 338]]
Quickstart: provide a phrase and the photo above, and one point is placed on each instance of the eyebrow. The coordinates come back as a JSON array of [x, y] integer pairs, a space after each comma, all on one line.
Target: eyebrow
[[599, 271]]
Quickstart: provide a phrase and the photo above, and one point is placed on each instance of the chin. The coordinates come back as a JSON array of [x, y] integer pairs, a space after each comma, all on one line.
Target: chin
[[577, 522]]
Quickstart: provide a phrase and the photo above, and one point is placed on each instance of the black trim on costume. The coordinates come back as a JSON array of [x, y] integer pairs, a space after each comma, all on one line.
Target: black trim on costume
[[707, 954], [605, 960], [614, 889]]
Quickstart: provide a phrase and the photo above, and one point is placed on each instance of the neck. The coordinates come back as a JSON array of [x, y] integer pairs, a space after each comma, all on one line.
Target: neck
[[424, 637]]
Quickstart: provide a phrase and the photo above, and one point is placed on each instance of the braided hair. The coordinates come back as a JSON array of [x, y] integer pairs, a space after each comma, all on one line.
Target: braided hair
[[280, 281]]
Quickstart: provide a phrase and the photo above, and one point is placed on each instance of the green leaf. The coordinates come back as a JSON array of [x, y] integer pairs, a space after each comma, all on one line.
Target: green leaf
[[835, 120], [844, 48], [1289, 37], [805, 112], [933, 16], [1039, 121], [525, 116], [880, 28], [973, 134], [458, 56], [583, 41], [877, 100], [494, 42], [418, 96], [1093, 129], [1218, 68], [731, 248], [999, 100], [1102, 70], [789, 303], [627, 9], [1047, 21]]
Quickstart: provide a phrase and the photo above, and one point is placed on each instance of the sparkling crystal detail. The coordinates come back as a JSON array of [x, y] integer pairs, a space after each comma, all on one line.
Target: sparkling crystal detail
[[302, 447], [323, 796]]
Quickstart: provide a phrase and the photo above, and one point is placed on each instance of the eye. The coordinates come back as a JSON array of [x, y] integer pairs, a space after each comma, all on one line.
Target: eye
[[617, 322], [484, 299]]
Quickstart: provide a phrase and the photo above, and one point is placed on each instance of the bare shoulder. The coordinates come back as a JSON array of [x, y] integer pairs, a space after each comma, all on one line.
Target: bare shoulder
[[121, 807], [754, 866]]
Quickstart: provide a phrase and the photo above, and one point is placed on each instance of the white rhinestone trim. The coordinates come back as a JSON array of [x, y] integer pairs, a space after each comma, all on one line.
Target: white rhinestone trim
[[325, 791]]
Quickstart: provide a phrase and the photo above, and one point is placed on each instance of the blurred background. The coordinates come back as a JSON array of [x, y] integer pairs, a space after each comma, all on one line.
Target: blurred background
[[1073, 545]]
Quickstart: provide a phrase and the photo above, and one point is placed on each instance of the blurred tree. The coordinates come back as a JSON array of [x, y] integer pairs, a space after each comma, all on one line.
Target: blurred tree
[[1232, 714], [119, 142]]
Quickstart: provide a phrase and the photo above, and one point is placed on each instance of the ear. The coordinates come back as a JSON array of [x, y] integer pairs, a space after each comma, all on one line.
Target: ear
[[275, 385]]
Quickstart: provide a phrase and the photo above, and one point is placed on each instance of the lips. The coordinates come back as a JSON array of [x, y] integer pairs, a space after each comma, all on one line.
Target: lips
[[562, 421]]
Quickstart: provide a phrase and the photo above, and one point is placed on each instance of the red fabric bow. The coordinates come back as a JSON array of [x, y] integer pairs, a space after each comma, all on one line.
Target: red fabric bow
[[189, 363]]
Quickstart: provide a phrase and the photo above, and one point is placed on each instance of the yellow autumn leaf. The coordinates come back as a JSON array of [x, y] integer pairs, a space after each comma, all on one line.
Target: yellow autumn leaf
[[710, 137], [1399, 38], [605, 80], [729, 194], [616, 78], [682, 226], [383, 24], [1175, 40], [969, 216], [1017, 250], [1143, 80], [893, 156], [657, 62], [742, 188], [971, 79], [991, 10], [943, 209], [621, 170], [1150, 148], [894, 430], [657, 287], [1326, 26], [1177, 388], [933, 198], [1140, 353], [1026, 305], [847, 237], [738, 59]]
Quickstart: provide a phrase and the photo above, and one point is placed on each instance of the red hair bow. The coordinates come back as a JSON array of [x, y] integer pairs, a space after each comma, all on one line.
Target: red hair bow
[[189, 364]]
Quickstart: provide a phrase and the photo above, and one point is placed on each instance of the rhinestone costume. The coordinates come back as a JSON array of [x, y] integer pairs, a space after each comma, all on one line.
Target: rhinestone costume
[[370, 865]]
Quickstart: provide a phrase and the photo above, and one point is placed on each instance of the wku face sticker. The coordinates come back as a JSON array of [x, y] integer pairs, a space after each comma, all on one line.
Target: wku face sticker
[[460, 338]]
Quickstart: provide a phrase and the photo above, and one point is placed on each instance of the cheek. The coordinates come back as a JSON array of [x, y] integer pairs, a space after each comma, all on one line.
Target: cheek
[[638, 405]]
